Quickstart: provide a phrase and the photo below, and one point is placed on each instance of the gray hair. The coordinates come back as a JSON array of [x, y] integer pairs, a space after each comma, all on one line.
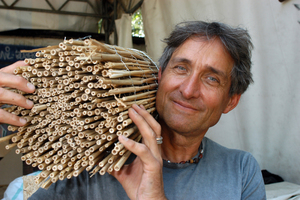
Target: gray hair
[[236, 41]]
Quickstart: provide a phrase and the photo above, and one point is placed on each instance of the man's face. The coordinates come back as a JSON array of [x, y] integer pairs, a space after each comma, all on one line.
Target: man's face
[[194, 88]]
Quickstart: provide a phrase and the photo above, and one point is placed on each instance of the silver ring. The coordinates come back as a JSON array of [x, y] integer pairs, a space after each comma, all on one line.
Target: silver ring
[[159, 140]]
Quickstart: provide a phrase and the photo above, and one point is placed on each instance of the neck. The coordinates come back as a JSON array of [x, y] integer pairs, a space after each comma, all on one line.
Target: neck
[[179, 147]]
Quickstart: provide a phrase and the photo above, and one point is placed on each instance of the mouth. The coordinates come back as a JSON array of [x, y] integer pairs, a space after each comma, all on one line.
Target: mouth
[[185, 105]]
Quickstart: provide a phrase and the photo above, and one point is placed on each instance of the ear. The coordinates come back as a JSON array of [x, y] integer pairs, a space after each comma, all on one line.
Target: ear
[[159, 75], [233, 102]]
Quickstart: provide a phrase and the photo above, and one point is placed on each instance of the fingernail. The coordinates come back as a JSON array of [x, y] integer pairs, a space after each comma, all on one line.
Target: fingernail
[[29, 103], [23, 121], [133, 110], [135, 106], [30, 86], [123, 137]]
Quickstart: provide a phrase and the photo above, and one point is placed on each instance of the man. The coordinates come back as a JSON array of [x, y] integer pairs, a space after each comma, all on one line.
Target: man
[[204, 70]]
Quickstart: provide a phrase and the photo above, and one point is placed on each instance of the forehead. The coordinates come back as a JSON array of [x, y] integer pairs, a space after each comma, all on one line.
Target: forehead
[[201, 52]]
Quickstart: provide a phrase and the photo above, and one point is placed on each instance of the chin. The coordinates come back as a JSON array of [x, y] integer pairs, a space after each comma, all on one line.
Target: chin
[[180, 126]]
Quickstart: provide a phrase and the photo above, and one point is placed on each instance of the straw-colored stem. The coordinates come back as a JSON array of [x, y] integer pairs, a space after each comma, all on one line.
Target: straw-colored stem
[[6, 138]]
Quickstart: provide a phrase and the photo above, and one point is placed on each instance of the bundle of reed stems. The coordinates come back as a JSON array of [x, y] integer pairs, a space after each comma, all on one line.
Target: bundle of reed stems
[[84, 89]]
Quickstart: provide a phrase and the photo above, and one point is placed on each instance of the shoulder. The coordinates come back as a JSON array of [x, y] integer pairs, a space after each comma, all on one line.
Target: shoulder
[[214, 149], [66, 189], [83, 187], [239, 165]]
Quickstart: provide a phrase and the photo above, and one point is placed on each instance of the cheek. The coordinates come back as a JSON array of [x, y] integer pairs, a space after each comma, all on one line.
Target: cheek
[[215, 100], [159, 99], [165, 88]]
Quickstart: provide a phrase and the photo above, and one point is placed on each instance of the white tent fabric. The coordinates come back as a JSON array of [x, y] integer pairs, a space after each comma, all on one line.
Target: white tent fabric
[[12, 19], [123, 26], [266, 121]]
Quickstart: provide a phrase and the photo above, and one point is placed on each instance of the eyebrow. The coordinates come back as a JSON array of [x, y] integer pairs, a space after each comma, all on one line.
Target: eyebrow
[[216, 71], [208, 67], [183, 60]]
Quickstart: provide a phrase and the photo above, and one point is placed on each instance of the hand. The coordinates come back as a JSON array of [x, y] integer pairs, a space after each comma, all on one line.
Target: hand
[[8, 79], [143, 178]]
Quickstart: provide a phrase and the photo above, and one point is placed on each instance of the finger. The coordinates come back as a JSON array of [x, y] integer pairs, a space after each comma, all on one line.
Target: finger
[[17, 82], [149, 137], [144, 128], [140, 150], [149, 119], [12, 98], [8, 118], [154, 125], [10, 69]]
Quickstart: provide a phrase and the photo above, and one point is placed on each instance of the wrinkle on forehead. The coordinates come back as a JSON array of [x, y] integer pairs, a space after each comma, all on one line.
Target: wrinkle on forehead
[[205, 43], [209, 41]]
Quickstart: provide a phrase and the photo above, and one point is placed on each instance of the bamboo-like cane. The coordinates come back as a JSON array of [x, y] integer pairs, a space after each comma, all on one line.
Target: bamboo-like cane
[[7, 138], [83, 92]]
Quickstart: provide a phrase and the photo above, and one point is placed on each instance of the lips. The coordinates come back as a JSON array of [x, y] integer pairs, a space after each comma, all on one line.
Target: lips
[[185, 105]]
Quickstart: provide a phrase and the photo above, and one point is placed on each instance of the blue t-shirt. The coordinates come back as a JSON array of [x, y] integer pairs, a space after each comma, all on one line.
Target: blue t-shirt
[[222, 173]]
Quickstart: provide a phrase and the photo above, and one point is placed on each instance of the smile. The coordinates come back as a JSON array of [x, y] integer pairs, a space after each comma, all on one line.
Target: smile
[[185, 106]]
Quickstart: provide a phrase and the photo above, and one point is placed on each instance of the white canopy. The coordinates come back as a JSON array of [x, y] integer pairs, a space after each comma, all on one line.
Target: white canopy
[[14, 19]]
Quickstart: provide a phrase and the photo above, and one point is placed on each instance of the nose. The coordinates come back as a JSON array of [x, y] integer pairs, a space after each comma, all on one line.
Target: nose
[[191, 87]]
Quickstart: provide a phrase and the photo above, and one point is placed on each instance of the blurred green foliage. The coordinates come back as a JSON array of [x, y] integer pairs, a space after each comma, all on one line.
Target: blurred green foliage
[[137, 26]]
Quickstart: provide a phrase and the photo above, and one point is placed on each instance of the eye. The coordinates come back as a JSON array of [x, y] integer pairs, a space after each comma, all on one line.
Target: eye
[[181, 68], [213, 79]]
